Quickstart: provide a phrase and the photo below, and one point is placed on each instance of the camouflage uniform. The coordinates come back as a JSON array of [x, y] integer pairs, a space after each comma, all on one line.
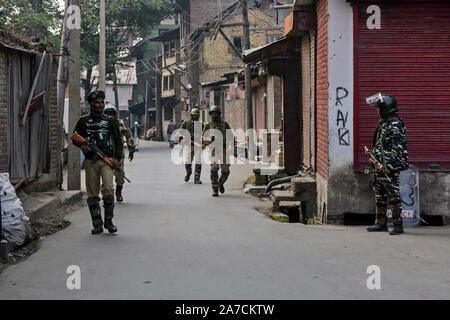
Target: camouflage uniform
[[217, 163], [390, 150], [195, 153], [120, 181]]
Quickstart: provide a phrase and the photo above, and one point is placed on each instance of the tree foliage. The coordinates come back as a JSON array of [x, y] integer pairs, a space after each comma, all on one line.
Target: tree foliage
[[125, 20], [31, 19]]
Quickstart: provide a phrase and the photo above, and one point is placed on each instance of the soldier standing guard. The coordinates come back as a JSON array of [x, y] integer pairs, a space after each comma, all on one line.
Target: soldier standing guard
[[389, 156], [195, 154], [219, 154], [103, 132], [111, 111]]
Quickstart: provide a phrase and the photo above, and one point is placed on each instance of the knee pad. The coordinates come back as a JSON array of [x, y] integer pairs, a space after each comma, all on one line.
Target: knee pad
[[93, 203], [108, 202]]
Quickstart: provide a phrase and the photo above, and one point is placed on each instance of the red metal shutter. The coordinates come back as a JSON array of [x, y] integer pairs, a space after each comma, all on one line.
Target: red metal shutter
[[408, 57]]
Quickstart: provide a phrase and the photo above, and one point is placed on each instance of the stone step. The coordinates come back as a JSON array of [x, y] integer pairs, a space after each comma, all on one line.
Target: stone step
[[303, 185]]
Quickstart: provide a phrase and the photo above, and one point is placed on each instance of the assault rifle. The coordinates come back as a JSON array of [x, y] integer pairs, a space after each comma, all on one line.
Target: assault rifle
[[378, 165], [77, 138]]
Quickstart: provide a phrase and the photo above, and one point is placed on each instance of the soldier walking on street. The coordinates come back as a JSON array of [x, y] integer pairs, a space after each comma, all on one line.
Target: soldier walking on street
[[111, 111], [103, 132], [219, 154], [195, 153], [389, 156]]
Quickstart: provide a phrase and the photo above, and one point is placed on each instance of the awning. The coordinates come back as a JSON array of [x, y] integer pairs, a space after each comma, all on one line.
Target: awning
[[167, 36], [271, 50], [216, 83]]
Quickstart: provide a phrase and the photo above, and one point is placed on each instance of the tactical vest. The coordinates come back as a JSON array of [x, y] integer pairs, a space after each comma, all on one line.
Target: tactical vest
[[98, 129]]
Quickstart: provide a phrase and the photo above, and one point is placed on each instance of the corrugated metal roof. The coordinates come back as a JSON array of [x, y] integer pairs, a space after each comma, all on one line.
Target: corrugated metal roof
[[126, 73]]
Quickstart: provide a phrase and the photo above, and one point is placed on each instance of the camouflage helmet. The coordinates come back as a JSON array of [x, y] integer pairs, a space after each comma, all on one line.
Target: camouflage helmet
[[110, 108], [195, 111], [215, 109]]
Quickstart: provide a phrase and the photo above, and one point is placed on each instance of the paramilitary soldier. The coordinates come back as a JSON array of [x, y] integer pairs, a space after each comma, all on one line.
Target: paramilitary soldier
[[220, 152], [103, 132], [111, 111], [195, 153], [389, 156]]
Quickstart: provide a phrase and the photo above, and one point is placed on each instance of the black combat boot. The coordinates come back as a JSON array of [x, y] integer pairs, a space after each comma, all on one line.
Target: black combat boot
[[108, 203], [95, 211], [188, 172], [397, 220], [119, 197], [223, 178], [378, 227], [198, 172], [398, 227], [215, 192]]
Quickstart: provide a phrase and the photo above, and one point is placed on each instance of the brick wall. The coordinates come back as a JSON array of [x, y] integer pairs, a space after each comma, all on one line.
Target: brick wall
[[322, 88], [202, 11], [306, 100], [217, 58], [234, 109], [4, 123]]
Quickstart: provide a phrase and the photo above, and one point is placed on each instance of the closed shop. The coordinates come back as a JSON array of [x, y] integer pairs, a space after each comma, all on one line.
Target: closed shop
[[403, 48]]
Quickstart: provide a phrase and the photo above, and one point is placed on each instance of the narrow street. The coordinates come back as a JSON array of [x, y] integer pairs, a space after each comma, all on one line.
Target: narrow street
[[177, 242]]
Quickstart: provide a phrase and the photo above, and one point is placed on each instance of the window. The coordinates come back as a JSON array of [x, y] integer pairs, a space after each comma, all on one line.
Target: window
[[171, 83], [168, 113], [166, 83], [169, 49], [237, 41]]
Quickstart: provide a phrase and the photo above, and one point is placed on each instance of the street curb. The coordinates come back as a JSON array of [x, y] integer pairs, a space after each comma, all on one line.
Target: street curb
[[41, 207], [280, 217]]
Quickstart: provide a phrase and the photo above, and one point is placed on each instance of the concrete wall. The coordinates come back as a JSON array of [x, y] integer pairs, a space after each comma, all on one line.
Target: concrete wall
[[340, 109]]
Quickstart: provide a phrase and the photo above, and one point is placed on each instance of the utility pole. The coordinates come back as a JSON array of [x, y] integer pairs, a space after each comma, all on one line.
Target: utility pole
[[159, 118], [146, 108], [102, 50], [73, 167], [248, 70]]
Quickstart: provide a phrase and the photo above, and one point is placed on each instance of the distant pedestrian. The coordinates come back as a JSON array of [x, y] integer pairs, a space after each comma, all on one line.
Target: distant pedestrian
[[389, 156], [171, 127], [136, 131]]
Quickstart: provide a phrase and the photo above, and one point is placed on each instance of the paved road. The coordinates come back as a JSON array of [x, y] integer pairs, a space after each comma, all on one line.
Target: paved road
[[177, 242]]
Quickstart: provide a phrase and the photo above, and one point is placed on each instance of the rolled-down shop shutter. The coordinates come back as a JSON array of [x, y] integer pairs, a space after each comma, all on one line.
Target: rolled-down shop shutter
[[408, 57]]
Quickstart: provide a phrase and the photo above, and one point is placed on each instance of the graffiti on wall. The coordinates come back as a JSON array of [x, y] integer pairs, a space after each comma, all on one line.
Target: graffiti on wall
[[342, 117]]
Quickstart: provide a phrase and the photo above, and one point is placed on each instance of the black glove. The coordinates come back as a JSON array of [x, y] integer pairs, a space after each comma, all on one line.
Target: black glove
[[131, 156]]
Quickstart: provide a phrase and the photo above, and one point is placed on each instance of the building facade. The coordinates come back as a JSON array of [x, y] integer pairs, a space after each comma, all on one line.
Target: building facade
[[30, 153]]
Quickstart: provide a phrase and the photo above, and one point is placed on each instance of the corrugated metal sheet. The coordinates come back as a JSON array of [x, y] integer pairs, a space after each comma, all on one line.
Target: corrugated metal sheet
[[408, 57], [29, 155]]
